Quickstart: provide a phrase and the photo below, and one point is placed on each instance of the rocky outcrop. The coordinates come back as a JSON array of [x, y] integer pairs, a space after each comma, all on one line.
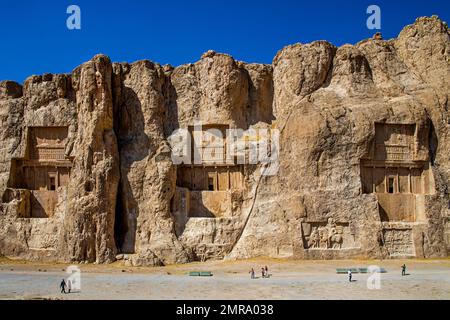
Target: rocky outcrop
[[147, 174], [87, 169], [88, 229]]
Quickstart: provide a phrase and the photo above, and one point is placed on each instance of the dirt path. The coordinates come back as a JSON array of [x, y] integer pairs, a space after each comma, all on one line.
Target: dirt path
[[427, 279]]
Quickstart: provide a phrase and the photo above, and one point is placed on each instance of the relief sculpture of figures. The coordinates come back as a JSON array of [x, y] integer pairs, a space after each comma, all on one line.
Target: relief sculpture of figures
[[314, 239], [329, 236], [336, 239]]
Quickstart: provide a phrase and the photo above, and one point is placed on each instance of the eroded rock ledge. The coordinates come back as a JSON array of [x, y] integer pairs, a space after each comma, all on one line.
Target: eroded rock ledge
[[86, 173]]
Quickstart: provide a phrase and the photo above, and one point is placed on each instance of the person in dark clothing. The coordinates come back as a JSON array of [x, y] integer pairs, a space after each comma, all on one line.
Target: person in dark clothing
[[266, 271], [403, 270], [263, 273], [252, 273], [63, 286], [349, 272]]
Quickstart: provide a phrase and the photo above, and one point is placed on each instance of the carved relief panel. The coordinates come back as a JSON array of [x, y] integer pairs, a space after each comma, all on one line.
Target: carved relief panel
[[327, 235]]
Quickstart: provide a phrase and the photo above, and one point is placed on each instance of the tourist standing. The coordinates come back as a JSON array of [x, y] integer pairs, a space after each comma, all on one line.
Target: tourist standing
[[267, 271], [403, 270], [263, 273], [252, 273], [63, 286], [349, 272]]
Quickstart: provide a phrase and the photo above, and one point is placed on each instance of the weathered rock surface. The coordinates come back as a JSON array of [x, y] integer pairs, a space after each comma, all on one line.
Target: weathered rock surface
[[364, 156]]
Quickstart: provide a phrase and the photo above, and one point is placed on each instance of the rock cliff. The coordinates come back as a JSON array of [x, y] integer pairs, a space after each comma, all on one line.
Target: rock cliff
[[360, 135]]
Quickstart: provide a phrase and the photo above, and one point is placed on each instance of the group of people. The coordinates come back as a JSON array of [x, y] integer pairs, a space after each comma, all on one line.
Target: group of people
[[264, 273], [350, 275], [65, 285]]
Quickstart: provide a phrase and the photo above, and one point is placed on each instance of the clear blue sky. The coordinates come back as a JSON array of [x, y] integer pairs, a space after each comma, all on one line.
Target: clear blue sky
[[35, 38]]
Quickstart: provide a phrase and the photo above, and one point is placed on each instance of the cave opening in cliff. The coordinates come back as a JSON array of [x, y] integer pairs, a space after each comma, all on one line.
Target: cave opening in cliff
[[391, 185], [433, 143], [52, 184], [120, 222], [211, 184]]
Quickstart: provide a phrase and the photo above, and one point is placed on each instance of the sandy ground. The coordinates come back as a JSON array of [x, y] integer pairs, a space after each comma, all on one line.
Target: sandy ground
[[427, 279]]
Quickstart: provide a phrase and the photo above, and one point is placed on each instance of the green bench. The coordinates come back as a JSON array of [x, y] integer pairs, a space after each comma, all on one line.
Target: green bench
[[357, 270], [363, 270], [345, 270], [341, 270], [200, 274]]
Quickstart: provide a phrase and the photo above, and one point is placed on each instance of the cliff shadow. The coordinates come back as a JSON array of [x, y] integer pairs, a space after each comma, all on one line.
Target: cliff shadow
[[198, 208], [255, 111], [433, 143], [171, 122], [130, 130]]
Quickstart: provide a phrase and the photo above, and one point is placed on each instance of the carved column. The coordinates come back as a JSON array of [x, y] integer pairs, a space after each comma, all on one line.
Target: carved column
[[409, 181], [398, 182]]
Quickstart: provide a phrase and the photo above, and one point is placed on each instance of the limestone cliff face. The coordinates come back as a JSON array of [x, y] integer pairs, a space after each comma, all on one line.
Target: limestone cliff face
[[327, 125], [147, 174], [88, 230], [86, 168]]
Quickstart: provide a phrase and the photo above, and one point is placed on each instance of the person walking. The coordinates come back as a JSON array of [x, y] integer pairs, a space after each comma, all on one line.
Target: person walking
[[403, 270], [63, 285], [349, 272], [252, 273]]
